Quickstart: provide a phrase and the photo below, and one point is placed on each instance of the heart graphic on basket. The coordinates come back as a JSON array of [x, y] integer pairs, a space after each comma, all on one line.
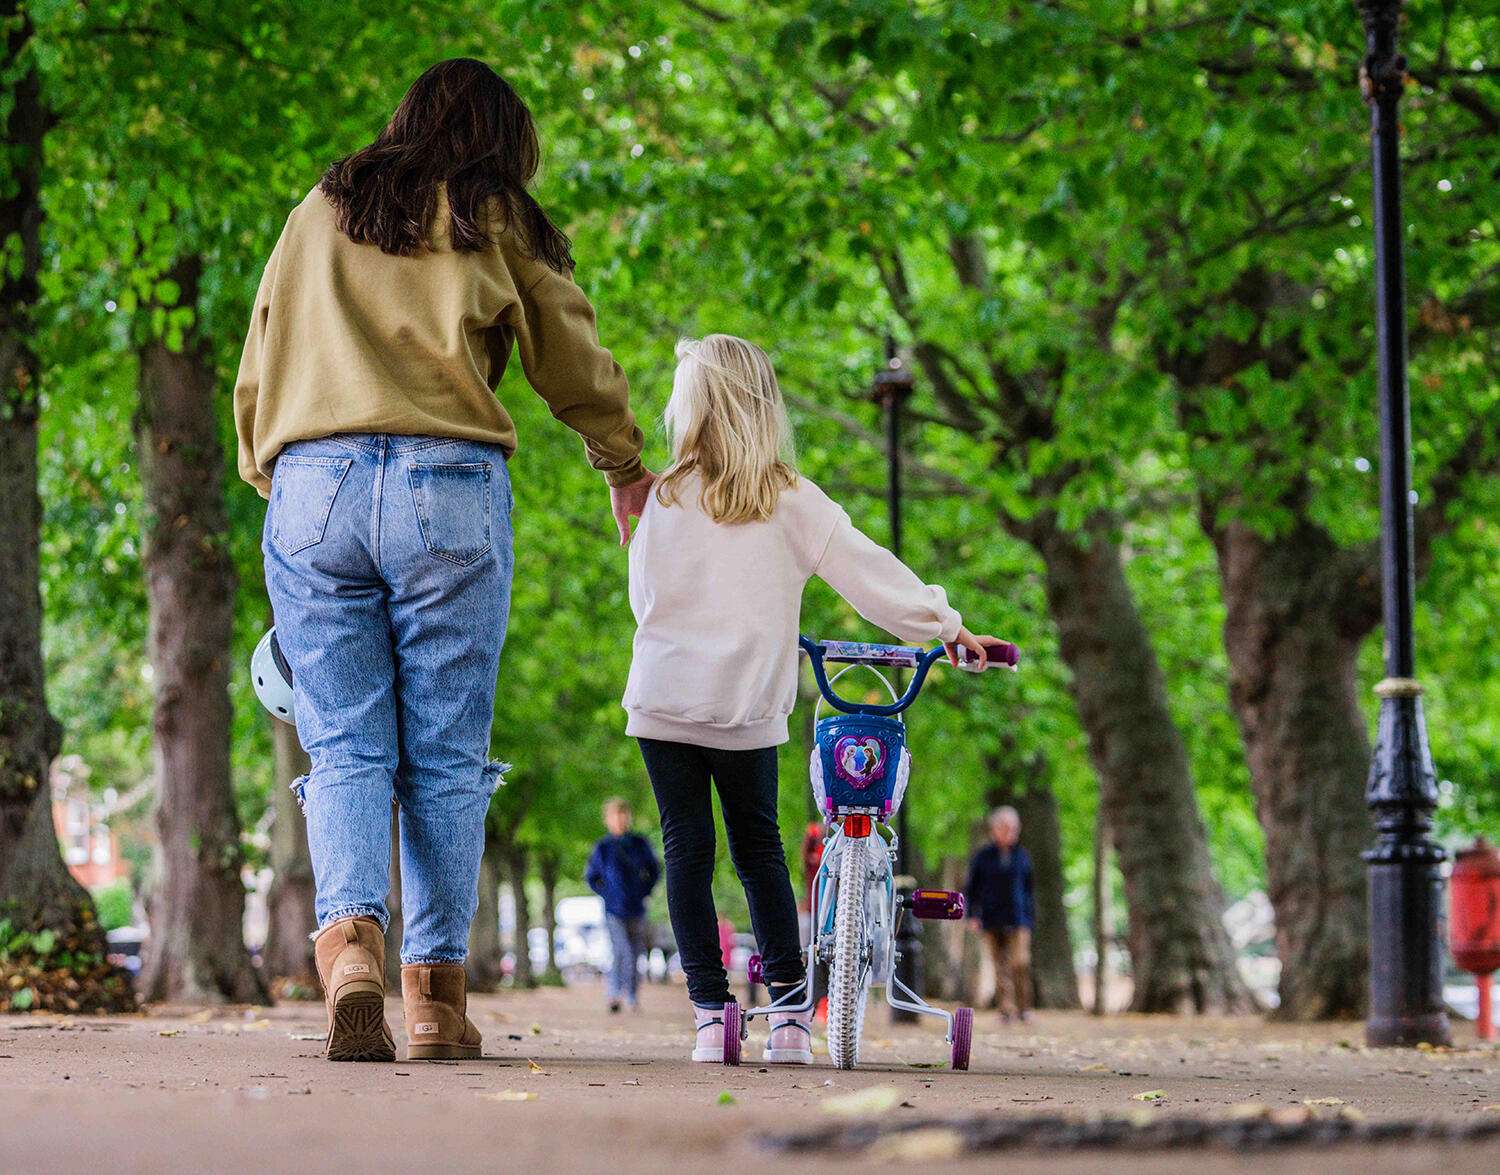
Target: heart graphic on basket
[[860, 761]]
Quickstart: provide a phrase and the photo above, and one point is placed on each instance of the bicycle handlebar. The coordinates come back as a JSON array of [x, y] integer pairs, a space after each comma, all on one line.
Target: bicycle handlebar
[[896, 656]]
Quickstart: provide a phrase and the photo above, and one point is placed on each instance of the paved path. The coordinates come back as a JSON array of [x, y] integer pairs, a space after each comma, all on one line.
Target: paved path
[[229, 1090]]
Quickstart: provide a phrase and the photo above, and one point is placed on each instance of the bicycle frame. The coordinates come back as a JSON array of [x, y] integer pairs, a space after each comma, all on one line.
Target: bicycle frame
[[883, 883], [824, 896]]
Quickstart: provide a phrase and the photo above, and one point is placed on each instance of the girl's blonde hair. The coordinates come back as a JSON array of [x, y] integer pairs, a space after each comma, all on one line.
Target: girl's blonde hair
[[727, 423]]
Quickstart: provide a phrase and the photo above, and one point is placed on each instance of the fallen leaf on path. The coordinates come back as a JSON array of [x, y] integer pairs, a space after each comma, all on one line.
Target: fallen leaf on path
[[1101, 1067], [930, 1144], [510, 1095], [632, 1081], [257, 1025], [1324, 1101], [170, 1032], [1150, 1095], [726, 1099], [877, 1099], [535, 1068], [305, 1035], [536, 1030], [1494, 1107]]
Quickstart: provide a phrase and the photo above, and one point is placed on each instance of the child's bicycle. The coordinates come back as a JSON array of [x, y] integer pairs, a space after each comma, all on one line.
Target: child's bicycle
[[859, 771]]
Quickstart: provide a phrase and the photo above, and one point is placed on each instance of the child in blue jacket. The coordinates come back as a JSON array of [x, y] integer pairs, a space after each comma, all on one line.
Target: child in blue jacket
[[623, 871]]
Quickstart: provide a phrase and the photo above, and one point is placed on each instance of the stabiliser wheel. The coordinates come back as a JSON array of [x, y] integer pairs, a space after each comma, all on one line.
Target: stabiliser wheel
[[734, 1028], [963, 1037]]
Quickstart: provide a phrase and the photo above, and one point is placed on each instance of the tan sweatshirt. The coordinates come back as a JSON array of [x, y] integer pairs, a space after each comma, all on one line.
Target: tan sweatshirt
[[345, 338], [717, 609]]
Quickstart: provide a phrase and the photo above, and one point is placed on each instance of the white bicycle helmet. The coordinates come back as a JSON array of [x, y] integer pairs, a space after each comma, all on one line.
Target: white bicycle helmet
[[273, 678]]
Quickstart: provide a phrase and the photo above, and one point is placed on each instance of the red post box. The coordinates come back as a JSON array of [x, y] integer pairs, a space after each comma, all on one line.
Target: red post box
[[1474, 891]]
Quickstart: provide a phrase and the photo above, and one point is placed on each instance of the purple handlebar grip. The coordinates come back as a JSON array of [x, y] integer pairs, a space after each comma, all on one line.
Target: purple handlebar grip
[[1004, 654]]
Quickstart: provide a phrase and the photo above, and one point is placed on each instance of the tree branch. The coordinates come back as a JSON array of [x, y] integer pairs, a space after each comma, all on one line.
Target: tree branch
[[946, 482]]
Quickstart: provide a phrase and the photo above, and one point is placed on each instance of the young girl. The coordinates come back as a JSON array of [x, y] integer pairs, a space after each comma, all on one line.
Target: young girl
[[724, 547]]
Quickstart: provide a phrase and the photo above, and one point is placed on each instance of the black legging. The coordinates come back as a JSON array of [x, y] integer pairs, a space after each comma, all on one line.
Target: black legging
[[746, 781]]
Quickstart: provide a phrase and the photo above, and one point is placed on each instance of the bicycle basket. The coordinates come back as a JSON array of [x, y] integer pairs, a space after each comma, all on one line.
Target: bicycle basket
[[859, 761]]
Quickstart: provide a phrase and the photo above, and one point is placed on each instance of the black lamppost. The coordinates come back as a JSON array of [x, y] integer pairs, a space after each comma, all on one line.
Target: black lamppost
[[892, 388], [1406, 951]]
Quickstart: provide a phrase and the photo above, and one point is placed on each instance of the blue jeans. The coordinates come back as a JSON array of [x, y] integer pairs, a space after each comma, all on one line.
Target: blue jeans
[[388, 563], [628, 941]]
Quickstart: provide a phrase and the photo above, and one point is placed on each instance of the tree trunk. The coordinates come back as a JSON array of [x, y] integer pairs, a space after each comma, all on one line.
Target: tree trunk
[[36, 890], [197, 949], [289, 949], [1182, 959], [484, 965], [1100, 922], [952, 952], [1298, 610], [1054, 981], [548, 869], [517, 861]]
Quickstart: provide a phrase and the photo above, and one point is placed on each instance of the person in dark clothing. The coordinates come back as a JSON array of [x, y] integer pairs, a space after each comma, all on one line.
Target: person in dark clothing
[[623, 871], [1002, 907]]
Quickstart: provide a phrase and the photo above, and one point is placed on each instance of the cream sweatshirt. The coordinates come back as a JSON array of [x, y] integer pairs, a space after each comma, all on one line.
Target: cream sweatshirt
[[717, 608]]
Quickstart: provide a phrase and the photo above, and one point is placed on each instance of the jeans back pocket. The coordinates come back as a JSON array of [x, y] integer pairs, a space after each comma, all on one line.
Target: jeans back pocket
[[453, 509], [302, 493]]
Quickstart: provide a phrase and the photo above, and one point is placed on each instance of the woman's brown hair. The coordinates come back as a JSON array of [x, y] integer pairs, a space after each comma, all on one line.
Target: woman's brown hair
[[461, 124]]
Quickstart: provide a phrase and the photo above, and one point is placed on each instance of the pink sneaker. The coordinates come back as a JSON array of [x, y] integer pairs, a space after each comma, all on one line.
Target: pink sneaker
[[790, 1042], [710, 1043]]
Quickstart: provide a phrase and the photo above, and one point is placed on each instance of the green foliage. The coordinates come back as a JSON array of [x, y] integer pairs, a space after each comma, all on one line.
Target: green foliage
[[25, 944], [114, 903], [1059, 202]]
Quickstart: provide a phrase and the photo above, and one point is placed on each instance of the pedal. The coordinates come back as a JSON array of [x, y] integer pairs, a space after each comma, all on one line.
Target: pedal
[[937, 904], [752, 970]]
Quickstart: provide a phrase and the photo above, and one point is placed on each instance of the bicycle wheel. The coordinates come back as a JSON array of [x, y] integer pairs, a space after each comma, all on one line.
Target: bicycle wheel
[[963, 1037], [734, 1029], [847, 986]]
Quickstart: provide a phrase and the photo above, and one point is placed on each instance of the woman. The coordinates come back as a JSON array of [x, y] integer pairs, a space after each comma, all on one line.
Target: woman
[[366, 414]]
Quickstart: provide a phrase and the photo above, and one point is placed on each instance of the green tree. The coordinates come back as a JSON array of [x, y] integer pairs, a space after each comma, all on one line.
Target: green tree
[[37, 895], [863, 145]]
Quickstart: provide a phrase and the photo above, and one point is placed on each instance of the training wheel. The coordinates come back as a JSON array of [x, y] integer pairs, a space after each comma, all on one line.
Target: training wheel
[[734, 1028], [963, 1037]]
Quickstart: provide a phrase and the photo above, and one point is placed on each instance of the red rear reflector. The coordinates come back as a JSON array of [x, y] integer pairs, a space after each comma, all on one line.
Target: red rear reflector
[[856, 826]]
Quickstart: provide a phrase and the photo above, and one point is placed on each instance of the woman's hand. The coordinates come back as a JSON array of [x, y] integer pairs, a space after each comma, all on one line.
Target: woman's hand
[[975, 644], [627, 502]]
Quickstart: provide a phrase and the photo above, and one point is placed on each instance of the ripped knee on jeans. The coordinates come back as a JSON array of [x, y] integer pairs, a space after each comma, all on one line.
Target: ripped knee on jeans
[[298, 788], [494, 776]]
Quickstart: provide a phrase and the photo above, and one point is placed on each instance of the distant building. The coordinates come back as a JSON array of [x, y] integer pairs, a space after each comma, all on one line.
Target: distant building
[[90, 848]]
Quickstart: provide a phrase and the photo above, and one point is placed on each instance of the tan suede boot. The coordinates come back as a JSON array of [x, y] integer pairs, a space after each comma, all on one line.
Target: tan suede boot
[[351, 964], [436, 998]]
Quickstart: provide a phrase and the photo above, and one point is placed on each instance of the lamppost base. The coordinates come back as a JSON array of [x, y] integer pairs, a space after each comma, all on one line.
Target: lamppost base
[[1408, 1031], [1406, 947]]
